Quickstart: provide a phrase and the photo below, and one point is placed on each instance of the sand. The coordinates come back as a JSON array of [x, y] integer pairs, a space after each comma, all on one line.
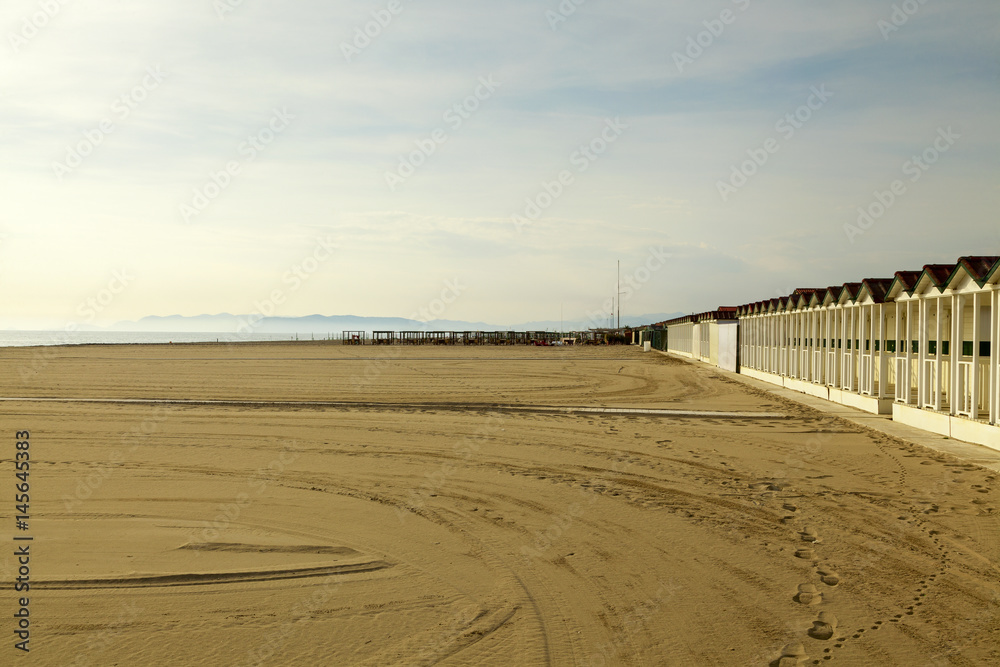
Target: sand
[[329, 505]]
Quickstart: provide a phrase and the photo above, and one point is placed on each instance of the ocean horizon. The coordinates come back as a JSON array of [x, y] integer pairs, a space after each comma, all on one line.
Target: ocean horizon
[[48, 338]]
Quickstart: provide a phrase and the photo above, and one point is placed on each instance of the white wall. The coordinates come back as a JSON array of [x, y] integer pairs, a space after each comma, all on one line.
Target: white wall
[[728, 345], [680, 338]]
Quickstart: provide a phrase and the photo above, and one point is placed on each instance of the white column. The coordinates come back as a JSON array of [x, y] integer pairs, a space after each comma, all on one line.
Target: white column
[[923, 334], [862, 347], [855, 339], [746, 336], [809, 320], [845, 381], [827, 333], [758, 337], [898, 331], [842, 348], [766, 341], [775, 348], [836, 326], [789, 342], [831, 367], [939, 333], [776, 357], [784, 343], [770, 341], [868, 345], [762, 340], [955, 351], [759, 340], [859, 335], [871, 342], [995, 355], [882, 358], [803, 343], [811, 354], [908, 349], [772, 361], [791, 321], [974, 375], [815, 319]]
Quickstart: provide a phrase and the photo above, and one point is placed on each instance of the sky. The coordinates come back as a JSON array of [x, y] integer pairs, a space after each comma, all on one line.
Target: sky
[[484, 161]]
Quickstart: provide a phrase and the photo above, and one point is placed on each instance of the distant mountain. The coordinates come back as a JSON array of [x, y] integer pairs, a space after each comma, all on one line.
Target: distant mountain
[[318, 324], [581, 325], [324, 324]]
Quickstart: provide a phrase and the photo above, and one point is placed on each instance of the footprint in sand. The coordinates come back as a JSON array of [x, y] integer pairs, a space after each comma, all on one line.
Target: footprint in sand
[[827, 575], [810, 534], [808, 595], [824, 627], [792, 655]]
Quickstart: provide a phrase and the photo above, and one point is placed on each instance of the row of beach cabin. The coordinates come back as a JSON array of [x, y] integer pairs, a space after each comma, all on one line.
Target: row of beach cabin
[[923, 346], [591, 337]]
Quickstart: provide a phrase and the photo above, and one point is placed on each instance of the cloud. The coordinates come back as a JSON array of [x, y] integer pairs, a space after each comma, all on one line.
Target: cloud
[[356, 118]]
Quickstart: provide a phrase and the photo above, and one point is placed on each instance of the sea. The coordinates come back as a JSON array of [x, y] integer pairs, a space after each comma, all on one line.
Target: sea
[[31, 338]]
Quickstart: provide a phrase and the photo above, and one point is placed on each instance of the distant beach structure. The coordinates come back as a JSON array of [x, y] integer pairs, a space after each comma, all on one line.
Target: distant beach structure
[[545, 338], [922, 346]]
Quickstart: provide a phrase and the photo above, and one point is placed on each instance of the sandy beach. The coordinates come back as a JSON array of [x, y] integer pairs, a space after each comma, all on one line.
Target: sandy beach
[[317, 504]]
